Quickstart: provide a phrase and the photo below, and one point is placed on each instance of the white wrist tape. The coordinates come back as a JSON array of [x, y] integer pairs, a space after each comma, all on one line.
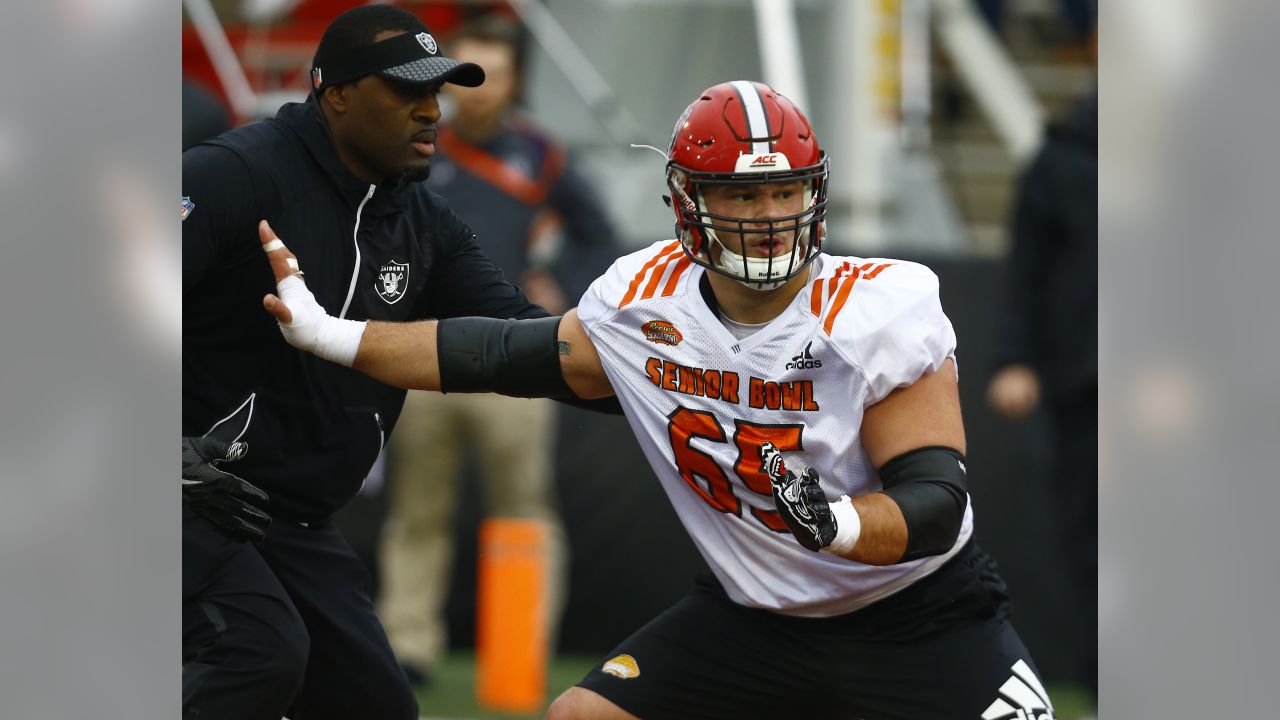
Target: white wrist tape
[[848, 526], [313, 330]]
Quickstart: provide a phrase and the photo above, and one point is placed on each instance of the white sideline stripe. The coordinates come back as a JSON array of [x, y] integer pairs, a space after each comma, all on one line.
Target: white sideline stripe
[[757, 122], [1022, 670]]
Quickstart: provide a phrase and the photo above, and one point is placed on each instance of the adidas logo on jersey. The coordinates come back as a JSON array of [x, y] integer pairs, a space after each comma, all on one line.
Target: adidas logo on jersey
[[1022, 697], [804, 361]]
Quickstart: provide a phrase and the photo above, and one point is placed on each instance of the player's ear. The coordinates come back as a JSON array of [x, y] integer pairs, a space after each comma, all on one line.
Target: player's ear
[[338, 96]]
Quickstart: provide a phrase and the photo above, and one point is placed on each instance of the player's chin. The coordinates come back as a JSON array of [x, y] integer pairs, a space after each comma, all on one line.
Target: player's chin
[[415, 170], [416, 162]]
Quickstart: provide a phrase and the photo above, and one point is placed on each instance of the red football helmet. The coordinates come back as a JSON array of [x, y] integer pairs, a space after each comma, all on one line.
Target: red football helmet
[[744, 132]]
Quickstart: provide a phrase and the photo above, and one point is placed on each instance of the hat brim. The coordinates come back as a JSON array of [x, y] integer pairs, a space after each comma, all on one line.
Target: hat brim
[[436, 69]]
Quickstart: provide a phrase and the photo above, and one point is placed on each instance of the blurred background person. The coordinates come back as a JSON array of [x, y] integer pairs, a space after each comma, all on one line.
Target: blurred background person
[[544, 226], [1049, 350], [203, 116]]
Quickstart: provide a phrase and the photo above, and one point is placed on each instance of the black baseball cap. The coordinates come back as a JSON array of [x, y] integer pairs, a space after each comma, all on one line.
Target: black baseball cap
[[347, 51]]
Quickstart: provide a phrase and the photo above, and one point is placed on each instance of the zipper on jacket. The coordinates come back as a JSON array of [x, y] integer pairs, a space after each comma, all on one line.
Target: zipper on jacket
[[355, 235], [382, 441]]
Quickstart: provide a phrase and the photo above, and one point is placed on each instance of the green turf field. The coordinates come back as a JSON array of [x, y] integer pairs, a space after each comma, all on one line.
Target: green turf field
[[452, 695]]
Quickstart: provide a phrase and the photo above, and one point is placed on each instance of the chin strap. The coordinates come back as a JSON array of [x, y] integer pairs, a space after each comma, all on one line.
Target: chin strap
[[757, 268]]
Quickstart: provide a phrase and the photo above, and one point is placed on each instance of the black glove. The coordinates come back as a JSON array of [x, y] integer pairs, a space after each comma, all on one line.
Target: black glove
[[800, 501], [223, 499]]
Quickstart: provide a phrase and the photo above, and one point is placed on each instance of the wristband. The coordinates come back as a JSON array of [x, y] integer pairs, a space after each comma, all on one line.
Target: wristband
[[314, 330], [848, 526], [339, 340]]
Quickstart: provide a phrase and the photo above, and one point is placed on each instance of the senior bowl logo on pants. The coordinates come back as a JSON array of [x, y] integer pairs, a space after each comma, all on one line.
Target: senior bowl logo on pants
[[392, 280], [622, 666]]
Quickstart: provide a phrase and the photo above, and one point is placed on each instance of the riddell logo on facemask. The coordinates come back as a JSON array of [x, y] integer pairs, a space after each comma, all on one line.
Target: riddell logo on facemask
[[804, 361]]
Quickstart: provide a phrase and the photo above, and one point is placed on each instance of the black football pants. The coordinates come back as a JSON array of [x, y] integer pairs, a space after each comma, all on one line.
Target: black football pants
[[941, 649], [285, 627]]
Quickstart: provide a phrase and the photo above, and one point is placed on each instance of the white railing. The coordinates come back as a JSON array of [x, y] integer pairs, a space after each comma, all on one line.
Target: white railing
[[578, 69], [991, 77], [244, 101]]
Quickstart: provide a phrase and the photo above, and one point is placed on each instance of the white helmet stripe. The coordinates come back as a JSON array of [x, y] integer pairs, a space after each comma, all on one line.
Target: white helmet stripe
[[757, 119]]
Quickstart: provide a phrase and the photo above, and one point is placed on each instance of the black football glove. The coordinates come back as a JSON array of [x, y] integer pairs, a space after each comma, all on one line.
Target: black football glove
[[799, 500], [223, 499]]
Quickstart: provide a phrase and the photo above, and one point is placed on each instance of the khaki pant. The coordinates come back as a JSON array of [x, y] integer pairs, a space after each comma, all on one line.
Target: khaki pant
[[512, 439]]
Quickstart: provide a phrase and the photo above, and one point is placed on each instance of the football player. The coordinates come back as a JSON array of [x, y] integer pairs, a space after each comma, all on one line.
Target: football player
[[802, 414]]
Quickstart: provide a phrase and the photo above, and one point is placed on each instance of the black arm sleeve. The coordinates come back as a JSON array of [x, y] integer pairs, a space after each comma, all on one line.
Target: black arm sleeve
[[520, 358], [512, 357], [929, 486], [223, 210]]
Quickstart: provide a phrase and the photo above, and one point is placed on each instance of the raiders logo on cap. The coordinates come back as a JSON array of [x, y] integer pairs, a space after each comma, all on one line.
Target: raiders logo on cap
[[427, 42]]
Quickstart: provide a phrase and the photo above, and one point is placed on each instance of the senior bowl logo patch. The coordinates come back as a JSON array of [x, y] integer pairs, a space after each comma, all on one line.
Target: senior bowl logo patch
[[392, 281], [427, 42], [187, 206], [623, 666], [661, 332]]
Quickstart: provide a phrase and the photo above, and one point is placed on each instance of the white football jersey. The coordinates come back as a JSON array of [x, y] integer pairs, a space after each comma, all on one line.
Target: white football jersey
[[701, 402]]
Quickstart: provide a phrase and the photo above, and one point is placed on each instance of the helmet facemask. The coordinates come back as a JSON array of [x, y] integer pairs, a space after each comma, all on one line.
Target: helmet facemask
[[699, 229]]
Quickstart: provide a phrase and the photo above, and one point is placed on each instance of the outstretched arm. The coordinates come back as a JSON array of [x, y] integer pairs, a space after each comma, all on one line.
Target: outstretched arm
[[408, 355]]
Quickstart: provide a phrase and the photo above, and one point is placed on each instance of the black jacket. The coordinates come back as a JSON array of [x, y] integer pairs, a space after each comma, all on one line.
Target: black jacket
[[385, 253], [1051, 318]]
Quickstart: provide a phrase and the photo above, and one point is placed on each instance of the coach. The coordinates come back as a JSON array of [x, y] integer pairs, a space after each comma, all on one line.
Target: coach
[[277, 617]]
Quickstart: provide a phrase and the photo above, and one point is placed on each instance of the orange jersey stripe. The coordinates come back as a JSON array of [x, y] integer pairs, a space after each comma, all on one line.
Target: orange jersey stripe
[[838, 304], [835, 279], [635, 282], [879, 269], [817, 296], [681, 265], [845, 288], [656, 276]]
